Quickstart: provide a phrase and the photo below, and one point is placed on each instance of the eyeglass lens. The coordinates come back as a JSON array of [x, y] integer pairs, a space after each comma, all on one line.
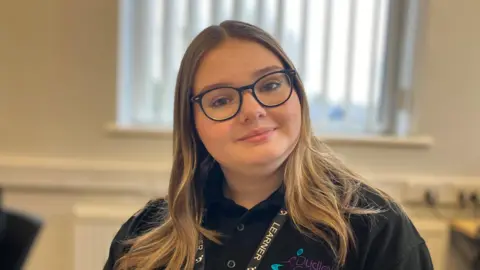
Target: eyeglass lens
[[223, 103]]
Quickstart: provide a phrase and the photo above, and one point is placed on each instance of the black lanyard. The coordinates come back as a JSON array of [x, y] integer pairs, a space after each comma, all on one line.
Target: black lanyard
[[277, 223]]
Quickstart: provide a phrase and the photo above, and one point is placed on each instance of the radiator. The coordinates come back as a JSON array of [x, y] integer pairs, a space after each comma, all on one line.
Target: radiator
[[94, 228]]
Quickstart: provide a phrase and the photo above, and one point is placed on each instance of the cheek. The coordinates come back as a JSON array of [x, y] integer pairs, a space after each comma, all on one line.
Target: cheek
[[290, 115], [214, 135]]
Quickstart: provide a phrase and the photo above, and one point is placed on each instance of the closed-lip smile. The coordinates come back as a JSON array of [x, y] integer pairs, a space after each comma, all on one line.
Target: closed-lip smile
[[258, 134]]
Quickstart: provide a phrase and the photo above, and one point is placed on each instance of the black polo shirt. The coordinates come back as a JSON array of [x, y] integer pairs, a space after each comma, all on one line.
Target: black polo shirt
[[386, 241]]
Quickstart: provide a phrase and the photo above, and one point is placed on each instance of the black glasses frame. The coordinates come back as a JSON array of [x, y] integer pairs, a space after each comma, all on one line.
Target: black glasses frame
[[290, 73]]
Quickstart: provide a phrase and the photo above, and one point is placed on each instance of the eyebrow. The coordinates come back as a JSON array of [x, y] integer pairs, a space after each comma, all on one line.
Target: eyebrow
[[265, 70], [257, 73]]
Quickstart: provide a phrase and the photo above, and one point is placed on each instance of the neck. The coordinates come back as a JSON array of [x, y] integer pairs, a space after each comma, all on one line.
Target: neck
[[249, 190]]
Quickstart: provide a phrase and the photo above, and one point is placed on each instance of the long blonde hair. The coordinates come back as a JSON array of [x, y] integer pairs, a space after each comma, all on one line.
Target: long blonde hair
[[320, 191]]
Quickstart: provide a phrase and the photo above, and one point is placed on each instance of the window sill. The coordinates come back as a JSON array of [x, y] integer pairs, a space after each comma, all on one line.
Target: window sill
[[418, 141], [125, 131], [414, 141]]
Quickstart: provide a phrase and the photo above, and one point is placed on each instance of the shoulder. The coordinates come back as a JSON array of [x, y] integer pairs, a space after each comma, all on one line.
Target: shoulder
[[148, 217], [388, 238], [390, 217]]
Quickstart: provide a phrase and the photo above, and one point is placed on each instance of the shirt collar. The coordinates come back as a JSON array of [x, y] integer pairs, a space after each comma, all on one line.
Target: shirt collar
[[213, 190]]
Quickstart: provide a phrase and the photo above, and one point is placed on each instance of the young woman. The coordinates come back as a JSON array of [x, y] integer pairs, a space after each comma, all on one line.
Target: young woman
[[251, 187]]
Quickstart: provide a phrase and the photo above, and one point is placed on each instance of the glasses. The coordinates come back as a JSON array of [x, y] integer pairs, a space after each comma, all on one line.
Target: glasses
[[270, 90]]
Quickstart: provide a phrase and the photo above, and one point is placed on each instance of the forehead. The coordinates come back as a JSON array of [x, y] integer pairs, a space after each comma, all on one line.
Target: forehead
[[234, 62]]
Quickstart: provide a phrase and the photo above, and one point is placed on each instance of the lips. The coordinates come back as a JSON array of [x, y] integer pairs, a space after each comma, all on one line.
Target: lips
[[258, 135]]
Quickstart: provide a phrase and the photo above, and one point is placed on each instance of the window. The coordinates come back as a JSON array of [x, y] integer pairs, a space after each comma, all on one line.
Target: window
[[354, 57]]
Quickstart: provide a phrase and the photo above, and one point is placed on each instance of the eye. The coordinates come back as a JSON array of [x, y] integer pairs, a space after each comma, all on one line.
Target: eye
[[270, 86], [219, 102], [220, 98]]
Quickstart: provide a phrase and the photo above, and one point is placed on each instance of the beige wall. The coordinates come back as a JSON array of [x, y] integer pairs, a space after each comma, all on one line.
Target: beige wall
[[58, 89], [58, 92]]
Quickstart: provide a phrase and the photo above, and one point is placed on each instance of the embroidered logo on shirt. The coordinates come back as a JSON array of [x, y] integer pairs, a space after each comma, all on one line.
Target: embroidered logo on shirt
[[300, 262]]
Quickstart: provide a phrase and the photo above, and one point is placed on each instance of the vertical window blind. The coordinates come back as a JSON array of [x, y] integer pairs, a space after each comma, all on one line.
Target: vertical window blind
[[354, 57]]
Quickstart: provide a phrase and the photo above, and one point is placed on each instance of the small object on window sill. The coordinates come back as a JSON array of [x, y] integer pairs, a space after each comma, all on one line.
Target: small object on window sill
[[337, 113]]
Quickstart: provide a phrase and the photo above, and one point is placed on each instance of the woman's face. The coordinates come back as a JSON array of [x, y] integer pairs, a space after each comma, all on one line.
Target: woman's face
[[231, 143]]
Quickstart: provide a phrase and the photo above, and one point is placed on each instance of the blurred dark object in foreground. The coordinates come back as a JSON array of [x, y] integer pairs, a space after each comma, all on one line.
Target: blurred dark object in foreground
[[18, 232]]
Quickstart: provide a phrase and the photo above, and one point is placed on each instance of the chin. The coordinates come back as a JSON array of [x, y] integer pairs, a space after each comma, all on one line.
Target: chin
[[264, 156]]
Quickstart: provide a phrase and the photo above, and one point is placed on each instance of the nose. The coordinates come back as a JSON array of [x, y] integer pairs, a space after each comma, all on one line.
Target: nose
[[251, 109]]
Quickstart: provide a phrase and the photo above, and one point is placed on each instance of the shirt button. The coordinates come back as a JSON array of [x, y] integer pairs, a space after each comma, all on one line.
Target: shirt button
[[231, 264], [240, 227]]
